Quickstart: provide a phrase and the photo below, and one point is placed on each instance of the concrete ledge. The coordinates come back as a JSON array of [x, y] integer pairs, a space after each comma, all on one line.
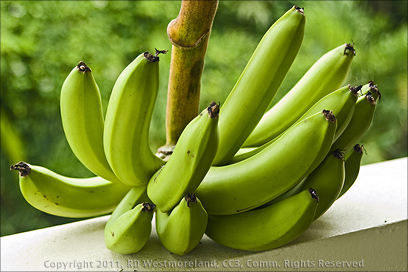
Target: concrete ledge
[[365, 230]]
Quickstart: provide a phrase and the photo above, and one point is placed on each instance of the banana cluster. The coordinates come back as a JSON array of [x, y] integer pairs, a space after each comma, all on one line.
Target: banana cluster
[[248, 177]]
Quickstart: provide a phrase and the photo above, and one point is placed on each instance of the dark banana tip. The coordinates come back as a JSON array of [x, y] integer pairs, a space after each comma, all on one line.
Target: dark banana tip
[[355, 89], [23, 168], [213, 110], [82, 67], [155, 57], [190, 199], [339, 153], [313, 194], [370, 98], [148, 207], [300, 10], [328, 114], [374, 89], [349, 48], [358, 148]]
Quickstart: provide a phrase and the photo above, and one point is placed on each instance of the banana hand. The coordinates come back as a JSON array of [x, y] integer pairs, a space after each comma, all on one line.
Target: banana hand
[[130, 232], [181, 230], [189, 163], [63, 196], [82, 120], [266, 228], [126, 133], [259, 82], [276, 169]]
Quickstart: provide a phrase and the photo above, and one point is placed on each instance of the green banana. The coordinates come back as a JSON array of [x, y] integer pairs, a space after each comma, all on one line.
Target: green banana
[[352, 167], [181, 230], [63, 196], [259, 82], [189, 163], [135, 196], [327, 179], [341, 102], [324, 77], [266, 228], [359, 124], [82, 120], [130, 232], [257, 180], [130, 108]]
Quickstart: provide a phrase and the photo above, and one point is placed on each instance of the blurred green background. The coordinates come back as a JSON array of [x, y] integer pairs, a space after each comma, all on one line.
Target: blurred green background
[[41, 41]]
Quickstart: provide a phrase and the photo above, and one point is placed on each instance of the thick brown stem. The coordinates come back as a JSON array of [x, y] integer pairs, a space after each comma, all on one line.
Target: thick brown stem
[[189, 34]]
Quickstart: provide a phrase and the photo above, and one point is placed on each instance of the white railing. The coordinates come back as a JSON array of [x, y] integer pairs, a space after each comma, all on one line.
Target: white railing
[[365, 230]]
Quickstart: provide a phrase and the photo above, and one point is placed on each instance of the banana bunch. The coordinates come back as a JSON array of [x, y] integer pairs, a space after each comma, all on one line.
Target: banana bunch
[[236, 171]]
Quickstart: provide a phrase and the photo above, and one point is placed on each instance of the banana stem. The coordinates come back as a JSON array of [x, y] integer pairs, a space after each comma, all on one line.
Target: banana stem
[[189, 34]]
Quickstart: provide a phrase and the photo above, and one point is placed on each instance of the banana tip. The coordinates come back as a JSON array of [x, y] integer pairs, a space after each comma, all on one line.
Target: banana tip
[[190, 198], [313, 194], [82, 67], [213, 110], [299, 9], [328, 114], [374, 89], [22, 167], [154, 58], [349, 48]]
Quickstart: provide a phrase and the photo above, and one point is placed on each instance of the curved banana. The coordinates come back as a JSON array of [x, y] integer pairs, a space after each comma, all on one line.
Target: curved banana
[[126, 133], [324, 77], [135, 196], [189, 163], [63, 196], [326, 179], [130, 232], [267, 228], [352, 167], [259, 82], [257, 180], [341, 102], [359, 124], [182, 229], [82, 120]]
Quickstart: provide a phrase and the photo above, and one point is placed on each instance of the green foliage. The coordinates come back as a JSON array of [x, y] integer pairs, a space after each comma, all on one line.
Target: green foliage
[[41, 41]]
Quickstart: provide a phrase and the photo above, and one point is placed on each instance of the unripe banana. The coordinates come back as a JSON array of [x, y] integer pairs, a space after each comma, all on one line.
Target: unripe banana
[[126, 133], [257, 180], [130, 232], [182, 229], [327, 179], [259, 82], [63, 196], [341, 102], [267, 228], [324, 77], [135, 196], [82, 120], [352, 167], [189, 163], [359, 124]]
